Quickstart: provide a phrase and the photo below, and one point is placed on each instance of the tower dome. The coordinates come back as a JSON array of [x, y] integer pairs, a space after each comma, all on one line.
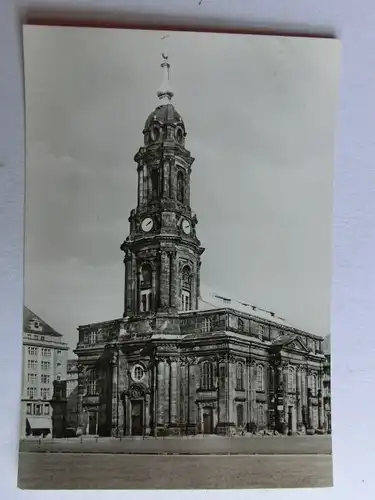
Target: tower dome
[[164, 122]]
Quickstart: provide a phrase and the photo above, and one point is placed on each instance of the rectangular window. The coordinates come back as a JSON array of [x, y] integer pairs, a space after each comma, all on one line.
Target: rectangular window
[[31, 392], [45, 379], [33, 351], [185, 301], [261, 331], [46, 409], [206, 325], [38, 409], [29, 409], [44, 393]]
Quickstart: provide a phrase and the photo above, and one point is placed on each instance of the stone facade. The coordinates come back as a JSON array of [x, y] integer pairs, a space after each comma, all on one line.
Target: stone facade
[[173, 364]]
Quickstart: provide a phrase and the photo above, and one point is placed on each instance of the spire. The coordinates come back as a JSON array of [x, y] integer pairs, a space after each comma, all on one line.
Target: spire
[[165, 92]]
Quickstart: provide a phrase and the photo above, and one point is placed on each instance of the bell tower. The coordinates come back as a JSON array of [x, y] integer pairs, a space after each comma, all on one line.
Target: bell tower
[[162, 252]]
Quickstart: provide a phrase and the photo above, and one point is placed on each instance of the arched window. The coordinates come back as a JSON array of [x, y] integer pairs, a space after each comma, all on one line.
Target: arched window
[[240, 418], [239, 377], [146, 288], [207, 380], [154, 183], [291, 380], [260, 378], [261, 419], [180, 187], [186, 289]]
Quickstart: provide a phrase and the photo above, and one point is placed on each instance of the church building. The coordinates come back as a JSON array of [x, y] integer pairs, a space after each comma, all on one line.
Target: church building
[[183, 359]]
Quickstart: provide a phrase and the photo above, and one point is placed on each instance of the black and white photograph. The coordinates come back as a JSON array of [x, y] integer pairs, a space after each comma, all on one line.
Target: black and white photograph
[[178, 260]]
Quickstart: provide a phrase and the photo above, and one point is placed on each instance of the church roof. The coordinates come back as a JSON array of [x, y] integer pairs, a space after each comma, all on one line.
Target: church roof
[[212, 299], [30, 319]]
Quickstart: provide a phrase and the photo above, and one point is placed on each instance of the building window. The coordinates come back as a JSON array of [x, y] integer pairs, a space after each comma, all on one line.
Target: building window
[[154, 183], [46, 409], [28, 409], [260, 378], [241, 326], [33, 351], [146, 288], [44, 393], [58, 378], [31, 378], [92, 382], [138, 373], [46, 352], [207, 381], [45, 379], [206, 325], [31, 392], [240, 418], [291, 380], [261, 419], [261, 331], [186, 289], [239, 377], [180, 187]]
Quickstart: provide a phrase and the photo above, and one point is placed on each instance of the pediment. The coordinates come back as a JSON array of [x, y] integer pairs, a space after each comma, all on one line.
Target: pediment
[[289, 342]]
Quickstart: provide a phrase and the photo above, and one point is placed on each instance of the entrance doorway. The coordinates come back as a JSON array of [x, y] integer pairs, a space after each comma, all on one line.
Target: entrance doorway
[[92, 422], [207, 421], [137, 418]]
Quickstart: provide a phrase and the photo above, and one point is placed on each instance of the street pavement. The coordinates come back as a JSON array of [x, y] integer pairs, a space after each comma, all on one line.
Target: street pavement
[[120, 471], [257, 445]]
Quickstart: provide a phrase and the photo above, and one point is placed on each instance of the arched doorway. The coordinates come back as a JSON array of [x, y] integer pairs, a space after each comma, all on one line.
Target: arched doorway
[[137, 417]]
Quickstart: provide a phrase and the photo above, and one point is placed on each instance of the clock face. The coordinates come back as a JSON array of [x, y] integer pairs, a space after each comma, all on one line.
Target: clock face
[[186, 226], [147, 224]]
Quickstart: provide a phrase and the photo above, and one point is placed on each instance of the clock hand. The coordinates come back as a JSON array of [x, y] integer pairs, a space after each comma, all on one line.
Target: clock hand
[[148, 223]]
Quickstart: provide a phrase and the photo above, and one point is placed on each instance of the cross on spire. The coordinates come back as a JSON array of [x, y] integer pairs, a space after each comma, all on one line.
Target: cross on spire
[[165, 92]]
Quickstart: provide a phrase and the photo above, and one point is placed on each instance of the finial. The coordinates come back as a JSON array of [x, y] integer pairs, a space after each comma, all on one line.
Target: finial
[[165, 92]]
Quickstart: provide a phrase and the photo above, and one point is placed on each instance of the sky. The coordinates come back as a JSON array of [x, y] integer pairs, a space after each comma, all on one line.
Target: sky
[[260, 115]]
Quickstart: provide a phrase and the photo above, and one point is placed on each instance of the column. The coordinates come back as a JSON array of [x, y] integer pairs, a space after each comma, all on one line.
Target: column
[[253, 374], [126, 292], [285, 385], [166, 393], [164, 281], [174, 392], [160, 393], [173, 280], [81, 381], [299, 400], [232, 391], [144, 184], [147, 415], [139, 275], [154, 302], [115, 408], [320, 409], [198, 284], [133, 286]]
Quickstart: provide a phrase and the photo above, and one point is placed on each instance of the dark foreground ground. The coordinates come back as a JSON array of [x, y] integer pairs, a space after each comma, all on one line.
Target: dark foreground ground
[[284, 445], [121, 471]]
